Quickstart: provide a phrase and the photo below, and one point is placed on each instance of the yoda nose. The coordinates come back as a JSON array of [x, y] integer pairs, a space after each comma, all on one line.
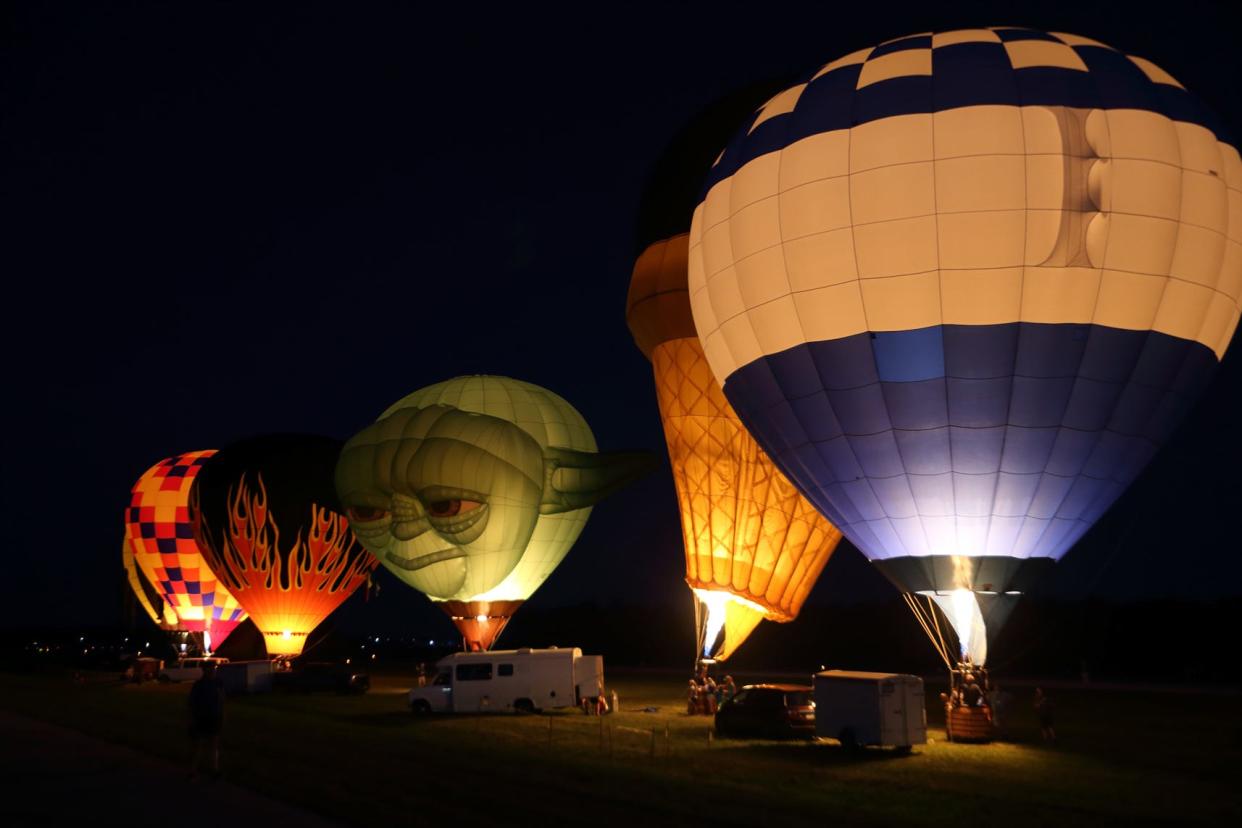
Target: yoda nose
[[409, 519]]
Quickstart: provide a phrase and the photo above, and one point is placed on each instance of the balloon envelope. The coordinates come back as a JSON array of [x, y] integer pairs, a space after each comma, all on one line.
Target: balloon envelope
[[160, 537], [145, 593], [754, 546], [961, 286], [264, 512], [473, 490]]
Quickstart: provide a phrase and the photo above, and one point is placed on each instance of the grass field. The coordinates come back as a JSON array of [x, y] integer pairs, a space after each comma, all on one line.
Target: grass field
[[1123, 758]]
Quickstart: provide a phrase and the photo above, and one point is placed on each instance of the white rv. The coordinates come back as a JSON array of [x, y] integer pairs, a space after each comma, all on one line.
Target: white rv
[[522, 681], [885, 709]]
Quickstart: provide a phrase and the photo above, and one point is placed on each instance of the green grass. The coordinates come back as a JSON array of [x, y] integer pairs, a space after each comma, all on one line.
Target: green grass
[[1124, 758]]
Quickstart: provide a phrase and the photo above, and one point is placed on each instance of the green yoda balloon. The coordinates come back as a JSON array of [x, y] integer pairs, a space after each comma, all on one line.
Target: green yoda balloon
[[473, 490]]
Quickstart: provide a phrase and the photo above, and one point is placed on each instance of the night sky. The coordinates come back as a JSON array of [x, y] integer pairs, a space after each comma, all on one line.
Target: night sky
[[224, 220]]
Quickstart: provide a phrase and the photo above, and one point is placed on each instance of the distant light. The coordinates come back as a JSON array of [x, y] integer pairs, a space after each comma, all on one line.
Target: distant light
[[81, 638], [377, 639], [433, 642], [347, 661], [148, 644], [373, 656]]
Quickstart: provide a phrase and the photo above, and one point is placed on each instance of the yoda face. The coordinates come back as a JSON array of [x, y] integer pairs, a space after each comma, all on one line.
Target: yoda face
[[448, 500]]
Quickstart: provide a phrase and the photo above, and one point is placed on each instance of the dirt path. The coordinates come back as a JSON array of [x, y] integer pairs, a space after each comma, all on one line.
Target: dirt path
[[58, 776]]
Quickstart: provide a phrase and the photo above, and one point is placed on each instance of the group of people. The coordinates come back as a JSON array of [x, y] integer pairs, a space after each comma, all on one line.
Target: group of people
[[705, 694], [973, 687], [599, 704]]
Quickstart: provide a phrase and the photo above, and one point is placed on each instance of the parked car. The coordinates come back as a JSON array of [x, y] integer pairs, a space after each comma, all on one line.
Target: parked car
[[188, 669], [321, 676], [768, 710]]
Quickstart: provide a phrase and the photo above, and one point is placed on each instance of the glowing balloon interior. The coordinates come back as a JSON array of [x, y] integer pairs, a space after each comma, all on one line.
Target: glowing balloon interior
[[160, 537], [264, 514], [145, 593], [754, 546], [473, 490], [961, 286]]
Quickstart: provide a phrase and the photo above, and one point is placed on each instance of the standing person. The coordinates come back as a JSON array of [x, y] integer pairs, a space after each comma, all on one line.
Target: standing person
[[1044, 709], [206, 721], [728, 689], [999, 702], [708, 697], [421, 674]]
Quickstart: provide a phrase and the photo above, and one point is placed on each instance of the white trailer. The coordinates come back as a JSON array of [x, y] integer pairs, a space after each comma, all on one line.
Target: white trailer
[[247, 676], [884, 709], [522, 681]]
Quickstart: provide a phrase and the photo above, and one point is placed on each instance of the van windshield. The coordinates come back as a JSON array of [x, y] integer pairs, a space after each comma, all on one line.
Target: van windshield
[[442, 678]]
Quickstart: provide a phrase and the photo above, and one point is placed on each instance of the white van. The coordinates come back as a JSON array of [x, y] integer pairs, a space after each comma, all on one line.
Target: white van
[[189, 669], [884, 709], [522, 681]]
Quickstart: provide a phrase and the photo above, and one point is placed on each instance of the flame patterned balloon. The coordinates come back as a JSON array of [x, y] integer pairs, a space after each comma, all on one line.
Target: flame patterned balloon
[[263, 511], [961, 286]]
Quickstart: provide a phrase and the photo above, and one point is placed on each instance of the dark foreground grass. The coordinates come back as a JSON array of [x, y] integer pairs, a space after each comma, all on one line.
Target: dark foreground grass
[[1124, 758]]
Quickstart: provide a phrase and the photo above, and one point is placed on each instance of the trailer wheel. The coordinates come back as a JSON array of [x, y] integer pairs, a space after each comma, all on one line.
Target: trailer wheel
[[523, 707], [904, 750], [420, 707], [848, 740]]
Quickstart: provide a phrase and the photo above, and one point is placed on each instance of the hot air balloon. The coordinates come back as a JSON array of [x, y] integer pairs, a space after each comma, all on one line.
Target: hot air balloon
[[145, 593], [264, 513], [473, 490], [754, 546], [160, 538], [961, 286]]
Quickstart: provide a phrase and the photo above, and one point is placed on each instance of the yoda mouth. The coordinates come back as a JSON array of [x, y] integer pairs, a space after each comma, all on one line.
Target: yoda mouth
[[421, 561]]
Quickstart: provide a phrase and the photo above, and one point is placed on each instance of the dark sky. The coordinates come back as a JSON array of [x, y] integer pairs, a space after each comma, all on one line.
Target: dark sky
[[227, 219]]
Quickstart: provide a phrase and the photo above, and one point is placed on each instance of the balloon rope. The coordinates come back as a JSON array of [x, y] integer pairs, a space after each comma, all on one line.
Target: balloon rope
[[936, 642], [944, 647]]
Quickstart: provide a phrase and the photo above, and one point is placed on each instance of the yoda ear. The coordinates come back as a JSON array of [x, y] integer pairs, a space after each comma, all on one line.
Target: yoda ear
[[574, 479]]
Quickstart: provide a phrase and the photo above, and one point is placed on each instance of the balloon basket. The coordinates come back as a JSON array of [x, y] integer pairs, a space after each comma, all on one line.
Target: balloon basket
[[968, 724]]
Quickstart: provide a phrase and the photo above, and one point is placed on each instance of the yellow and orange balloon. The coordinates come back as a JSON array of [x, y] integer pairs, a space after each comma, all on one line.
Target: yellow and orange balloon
[[159, 543], [754, 546]]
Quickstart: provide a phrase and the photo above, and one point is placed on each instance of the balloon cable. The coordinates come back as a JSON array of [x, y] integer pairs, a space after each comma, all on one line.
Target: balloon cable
[[937, 640]]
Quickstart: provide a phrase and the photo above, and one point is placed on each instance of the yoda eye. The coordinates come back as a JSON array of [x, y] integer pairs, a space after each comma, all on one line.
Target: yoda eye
[[365, 514], [449, 508]]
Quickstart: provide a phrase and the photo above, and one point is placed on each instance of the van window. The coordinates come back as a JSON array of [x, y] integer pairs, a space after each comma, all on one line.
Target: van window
[[504, 670], [481, 671]]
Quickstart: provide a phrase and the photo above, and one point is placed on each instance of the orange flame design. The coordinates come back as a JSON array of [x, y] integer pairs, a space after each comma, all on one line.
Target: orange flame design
[[328, 560]]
